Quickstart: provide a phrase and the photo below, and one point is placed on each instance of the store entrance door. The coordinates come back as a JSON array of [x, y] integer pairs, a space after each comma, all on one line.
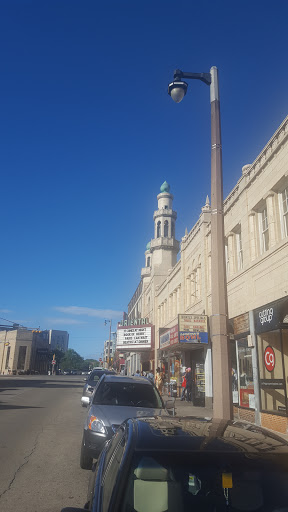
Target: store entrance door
[[198, 376]]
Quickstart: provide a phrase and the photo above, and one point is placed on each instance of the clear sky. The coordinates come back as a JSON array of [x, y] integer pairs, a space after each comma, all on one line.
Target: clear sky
[[89, 134]]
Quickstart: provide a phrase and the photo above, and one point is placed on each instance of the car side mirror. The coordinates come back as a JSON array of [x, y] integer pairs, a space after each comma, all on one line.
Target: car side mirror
[[85, 401]]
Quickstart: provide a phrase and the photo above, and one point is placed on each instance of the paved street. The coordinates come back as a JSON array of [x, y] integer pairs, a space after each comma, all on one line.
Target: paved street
[[40, 434]]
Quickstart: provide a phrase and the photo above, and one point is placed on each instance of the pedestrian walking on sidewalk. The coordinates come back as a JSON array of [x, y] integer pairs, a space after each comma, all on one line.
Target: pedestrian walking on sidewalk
[[150, 376], [159, 381], [183, 385], [189, 384]]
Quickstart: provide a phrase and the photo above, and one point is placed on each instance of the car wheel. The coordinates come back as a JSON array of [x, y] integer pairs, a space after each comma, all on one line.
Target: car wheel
[[86, 460]]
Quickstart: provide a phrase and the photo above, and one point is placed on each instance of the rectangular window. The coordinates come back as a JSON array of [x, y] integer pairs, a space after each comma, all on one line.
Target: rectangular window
[[209, 272], [239, 250], [227, 258], [196, 284], [244, 377], [263, 229], [21, 358], [7, 358], [285, 210], [188, 291], [193, 287]]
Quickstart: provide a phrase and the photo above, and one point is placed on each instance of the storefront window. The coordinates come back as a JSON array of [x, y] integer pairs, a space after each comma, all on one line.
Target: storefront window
[[285, 356], [199, 393], [234, 372], [245, 374], [272, 383], [21, 358]]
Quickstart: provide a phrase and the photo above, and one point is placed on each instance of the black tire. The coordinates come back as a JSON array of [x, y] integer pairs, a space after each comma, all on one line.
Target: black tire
[[86, 460]]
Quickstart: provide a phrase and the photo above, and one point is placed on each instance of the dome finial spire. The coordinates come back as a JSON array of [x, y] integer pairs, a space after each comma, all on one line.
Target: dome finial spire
[[165, 187]]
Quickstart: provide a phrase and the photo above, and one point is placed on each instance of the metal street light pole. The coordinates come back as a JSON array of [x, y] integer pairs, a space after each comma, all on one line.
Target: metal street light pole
[[5, 344], [222, 396], [110, 321]]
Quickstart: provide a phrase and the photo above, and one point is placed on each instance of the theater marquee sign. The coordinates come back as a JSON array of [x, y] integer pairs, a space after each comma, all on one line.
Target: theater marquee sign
[[134, 338]]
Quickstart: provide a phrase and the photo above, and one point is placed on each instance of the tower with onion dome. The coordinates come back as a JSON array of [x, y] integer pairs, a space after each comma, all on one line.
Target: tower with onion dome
[[161, 251]]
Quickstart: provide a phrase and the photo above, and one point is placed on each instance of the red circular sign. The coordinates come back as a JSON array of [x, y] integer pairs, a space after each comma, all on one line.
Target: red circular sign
[[269, 359]]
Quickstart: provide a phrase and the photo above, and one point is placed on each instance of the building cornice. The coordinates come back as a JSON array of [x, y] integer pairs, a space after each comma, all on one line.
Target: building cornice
[[165, 212], [186, 240], [164, 243], [255, 169]]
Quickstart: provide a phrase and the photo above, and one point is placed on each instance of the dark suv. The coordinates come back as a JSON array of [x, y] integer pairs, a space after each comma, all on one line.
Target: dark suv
[[91, 382], [190, 464]]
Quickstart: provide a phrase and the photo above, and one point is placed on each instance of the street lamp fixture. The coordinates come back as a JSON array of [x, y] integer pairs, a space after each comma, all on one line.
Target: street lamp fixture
[[177, 89], [222, 396]]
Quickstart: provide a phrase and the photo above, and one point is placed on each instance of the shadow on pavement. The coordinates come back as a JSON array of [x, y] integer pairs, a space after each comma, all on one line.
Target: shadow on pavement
[[10, 383], [9, 407]]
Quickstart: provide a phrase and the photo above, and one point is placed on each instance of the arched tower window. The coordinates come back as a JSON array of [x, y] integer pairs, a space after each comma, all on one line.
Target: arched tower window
[[158, 229], [172, 229], [148, 261], [166, 228]]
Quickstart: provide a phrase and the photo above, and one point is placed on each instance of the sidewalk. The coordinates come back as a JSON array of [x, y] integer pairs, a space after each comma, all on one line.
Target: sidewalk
[[187, 409]]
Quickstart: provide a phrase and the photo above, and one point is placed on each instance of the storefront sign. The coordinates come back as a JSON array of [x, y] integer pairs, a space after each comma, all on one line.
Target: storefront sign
[[174, 335], [169, 337], [245, 400], [241, 324], [269, 359], [193, 329], [272, 383], [251, 401], [268, 317], [165, 339], [134, 338]]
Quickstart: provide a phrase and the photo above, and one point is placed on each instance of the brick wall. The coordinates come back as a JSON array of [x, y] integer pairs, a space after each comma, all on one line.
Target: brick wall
[[244, 414], [273, 422]]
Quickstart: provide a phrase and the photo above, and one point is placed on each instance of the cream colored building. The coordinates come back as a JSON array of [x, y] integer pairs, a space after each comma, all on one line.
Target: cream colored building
[[256, 237], [23, 350]]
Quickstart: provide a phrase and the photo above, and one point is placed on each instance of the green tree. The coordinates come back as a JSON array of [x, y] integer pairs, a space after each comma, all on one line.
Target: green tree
[[88, 364], [72, 360]]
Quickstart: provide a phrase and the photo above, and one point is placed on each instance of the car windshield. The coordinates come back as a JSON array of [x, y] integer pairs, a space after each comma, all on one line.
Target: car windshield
[[207, 482], [127, 394]]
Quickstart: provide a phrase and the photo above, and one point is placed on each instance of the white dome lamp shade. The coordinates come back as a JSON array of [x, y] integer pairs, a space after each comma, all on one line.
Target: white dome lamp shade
[[177, 90]]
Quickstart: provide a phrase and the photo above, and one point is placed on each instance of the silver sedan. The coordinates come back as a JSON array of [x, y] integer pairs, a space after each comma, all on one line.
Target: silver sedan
[[116, 399]]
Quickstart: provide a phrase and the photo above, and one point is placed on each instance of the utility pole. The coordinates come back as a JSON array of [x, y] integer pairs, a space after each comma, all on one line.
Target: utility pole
[[110, 322]]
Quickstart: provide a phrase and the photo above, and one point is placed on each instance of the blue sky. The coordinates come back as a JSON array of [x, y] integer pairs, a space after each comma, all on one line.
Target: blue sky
[[89, 134]]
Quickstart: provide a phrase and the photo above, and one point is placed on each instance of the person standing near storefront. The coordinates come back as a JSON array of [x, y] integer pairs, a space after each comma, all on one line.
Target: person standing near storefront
[[150, 376], [183, 385], [159, 380], [189, 384]]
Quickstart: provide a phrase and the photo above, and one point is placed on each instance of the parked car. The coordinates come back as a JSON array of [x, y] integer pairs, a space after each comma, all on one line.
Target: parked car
[[176, 464], [91, 382], [116, 398]]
